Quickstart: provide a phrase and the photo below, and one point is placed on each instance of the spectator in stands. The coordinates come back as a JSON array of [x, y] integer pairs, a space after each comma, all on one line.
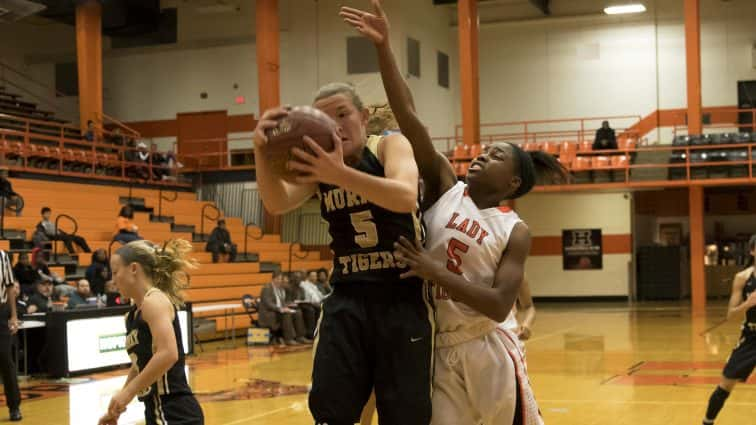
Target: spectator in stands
[[605, 138], [11, 198], [46, 232], [25, 274], [89, 135], [98, 272], [61, 288], [41, 300], [277, 312], [80, 296], [126, 230], [312, 298], [113, 298], [22, 300], [116, 137], [323, 284], [220, 243]]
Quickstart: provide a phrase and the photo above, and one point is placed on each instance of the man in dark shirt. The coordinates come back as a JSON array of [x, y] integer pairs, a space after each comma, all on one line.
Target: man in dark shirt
[[605, 138], [7, 195], [41, 299], [46, 231], [220, 243], [25, 274], [89, 135], [98, 272]]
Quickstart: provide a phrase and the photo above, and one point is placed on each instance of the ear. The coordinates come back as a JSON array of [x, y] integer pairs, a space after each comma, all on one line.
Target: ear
[[516, 182], [365, 116]]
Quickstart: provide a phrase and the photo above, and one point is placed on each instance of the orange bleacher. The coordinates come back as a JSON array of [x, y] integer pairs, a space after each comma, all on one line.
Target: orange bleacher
[[95, 208]]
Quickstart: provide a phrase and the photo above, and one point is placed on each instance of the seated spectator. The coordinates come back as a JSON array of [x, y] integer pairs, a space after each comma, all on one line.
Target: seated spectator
[[116, 137], [112, 297], [605, 138], [25, 274], [46, 232], [139, 157], [22, 304], [310, 303], [61, 288], [126, 230], [323, 283], [41, 300], [277, 312], [11, 198], [80, 295], [220, 243], [98, 273], [89, 135]]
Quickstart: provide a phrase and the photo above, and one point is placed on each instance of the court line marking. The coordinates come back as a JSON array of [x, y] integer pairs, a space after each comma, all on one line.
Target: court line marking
[[549, 335], [262, 415], [648, 402]]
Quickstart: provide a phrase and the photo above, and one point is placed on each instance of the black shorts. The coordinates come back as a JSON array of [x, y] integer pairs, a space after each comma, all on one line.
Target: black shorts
[[374, 337], [743, 358], [179, 409]]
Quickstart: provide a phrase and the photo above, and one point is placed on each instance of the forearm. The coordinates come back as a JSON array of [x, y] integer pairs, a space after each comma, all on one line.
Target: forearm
[[495, 303], [133, 372], [736, 312], [12, 302], [390, 194], [397, 90], [271, 189], [528, 316], [156, 367]]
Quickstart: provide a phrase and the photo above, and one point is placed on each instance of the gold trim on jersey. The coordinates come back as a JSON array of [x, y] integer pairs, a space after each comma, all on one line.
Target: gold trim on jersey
[[428, 300], [372, 144]]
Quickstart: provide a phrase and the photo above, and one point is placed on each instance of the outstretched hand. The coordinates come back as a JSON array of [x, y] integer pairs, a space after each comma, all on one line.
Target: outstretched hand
[[319, 166], [374, 26], [420, 263]]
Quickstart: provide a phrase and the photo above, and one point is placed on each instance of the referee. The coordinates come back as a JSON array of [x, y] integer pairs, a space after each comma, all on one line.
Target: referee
[[8, 327]]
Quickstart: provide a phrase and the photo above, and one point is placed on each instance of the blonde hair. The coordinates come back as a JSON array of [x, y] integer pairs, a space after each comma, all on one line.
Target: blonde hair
[[381, 119], [166, 266]]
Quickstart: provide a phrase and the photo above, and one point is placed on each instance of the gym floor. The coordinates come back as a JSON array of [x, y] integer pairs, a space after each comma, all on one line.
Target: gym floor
[[650, 364]]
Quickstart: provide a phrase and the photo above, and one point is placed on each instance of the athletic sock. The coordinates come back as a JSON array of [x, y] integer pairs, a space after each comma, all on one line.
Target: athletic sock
[[716, 401]]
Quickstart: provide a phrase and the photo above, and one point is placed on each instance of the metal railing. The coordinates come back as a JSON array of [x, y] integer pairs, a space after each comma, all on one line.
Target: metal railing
[[247, 236], [297, 243], [162, 197], [57, 231], [204, 216]]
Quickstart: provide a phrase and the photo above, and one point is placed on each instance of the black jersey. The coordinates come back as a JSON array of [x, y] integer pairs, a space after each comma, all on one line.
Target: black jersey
[[750, 320], [363, 233], [140, 347]]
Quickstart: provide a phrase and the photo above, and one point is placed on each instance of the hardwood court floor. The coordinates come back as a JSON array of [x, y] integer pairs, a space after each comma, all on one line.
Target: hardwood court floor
[[599, 364]]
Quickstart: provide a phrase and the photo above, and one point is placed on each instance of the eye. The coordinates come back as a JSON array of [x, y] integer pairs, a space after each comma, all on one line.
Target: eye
[[342, 114]]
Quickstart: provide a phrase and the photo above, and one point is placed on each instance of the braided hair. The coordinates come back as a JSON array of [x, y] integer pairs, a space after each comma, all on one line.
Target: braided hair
[[166, 266]]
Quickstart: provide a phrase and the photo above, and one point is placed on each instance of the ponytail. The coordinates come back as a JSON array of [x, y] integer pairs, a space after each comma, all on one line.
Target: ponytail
[[535, 167], [166, 266]]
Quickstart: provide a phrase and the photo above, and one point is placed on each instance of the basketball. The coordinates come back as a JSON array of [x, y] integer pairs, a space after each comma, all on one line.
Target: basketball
[[301, 121]]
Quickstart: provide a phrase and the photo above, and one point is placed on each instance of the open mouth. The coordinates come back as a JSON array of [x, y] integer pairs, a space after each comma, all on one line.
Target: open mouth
[[475, 166]]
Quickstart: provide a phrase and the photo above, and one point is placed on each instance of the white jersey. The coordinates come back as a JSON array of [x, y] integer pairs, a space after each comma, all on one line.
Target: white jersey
[[472, 241]]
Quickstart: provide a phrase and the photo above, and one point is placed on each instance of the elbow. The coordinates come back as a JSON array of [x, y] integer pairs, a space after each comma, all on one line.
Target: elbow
[[171, 357], [406, 206], [501, 314]]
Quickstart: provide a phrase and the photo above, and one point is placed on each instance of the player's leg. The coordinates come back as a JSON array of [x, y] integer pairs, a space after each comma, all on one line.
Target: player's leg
[[404, 324], [451, 404], [342, 371], [717, 399]]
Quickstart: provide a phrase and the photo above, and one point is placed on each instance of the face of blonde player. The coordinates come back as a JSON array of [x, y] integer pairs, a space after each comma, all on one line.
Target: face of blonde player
[[351, 122], [124, 276]]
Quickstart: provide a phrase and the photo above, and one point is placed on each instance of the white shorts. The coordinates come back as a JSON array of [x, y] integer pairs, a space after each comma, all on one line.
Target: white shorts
[[482, 381]]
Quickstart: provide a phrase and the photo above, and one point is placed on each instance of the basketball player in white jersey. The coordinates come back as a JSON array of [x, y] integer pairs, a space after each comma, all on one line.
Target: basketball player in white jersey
[[475, 254]]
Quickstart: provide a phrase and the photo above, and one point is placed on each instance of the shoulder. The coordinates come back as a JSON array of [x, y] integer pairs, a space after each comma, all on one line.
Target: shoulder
[[392, 144], [743, 275], [156, 305]]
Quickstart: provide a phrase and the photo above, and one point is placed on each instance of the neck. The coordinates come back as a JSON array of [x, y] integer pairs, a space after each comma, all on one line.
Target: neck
[[481, 199], [140, 293]]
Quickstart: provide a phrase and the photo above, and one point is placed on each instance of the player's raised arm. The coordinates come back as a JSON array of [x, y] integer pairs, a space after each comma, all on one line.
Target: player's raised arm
[[434, 168]]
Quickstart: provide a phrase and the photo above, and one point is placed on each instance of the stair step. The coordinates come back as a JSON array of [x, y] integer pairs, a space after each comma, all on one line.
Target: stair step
[[133, 201], [269, 267], [14, 235], [161, 218], [249, 258], [182, 228]]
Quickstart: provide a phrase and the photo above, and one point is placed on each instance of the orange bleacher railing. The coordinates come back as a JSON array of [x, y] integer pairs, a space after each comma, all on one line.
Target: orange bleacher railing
[[28, 139]]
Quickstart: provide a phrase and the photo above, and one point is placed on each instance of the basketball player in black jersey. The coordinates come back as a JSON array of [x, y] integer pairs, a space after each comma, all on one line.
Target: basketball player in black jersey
[[743, 358], [376, 330], [152, 277]]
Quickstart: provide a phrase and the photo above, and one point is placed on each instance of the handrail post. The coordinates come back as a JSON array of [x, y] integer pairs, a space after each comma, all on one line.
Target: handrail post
[[76, 229], [203, 216]]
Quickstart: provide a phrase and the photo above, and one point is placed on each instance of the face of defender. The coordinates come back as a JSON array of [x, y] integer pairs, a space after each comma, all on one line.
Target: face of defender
[[351, 123]]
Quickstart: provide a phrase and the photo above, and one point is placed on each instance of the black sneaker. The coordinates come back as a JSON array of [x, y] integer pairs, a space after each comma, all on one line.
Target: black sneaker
[[15, 415]]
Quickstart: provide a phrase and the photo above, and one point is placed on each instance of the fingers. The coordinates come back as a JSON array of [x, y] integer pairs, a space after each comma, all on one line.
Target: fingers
[[377, 8], [306, 179], [409, 246], [303, 156], [352, 11], [275, 113], [408, 274], [316, 149]]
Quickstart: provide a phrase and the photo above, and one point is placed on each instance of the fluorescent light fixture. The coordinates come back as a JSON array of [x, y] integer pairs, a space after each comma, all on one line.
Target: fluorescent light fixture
[[625, 8]]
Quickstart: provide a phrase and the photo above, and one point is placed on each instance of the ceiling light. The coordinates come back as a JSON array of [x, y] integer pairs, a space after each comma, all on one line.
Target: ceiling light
[[625, 8]]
